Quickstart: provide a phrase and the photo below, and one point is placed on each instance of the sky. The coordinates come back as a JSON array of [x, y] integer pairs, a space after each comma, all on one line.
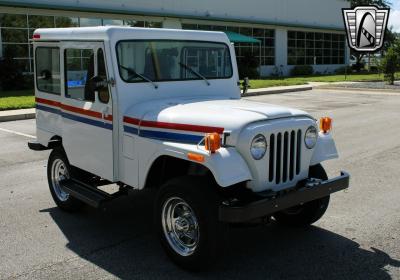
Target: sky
[[394, 17]]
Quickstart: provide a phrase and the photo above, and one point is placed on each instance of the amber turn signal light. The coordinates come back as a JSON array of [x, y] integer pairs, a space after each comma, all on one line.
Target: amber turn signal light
[[195, 157], [212, 142], [325, 124]]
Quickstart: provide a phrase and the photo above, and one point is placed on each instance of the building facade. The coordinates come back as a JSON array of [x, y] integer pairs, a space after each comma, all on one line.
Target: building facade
[[291, 32]]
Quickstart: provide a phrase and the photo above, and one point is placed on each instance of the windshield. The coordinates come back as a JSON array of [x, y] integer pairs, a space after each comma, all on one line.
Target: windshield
[[162, 60]]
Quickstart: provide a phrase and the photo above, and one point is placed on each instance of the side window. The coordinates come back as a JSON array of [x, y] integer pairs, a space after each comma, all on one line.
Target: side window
[[48, 70], [79, 69], [104, 95]]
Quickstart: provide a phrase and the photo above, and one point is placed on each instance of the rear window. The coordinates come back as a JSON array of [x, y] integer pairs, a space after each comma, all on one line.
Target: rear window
[[48, 70]]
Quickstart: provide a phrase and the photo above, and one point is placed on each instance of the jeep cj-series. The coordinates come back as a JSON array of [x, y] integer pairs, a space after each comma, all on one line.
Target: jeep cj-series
[[161, 109]]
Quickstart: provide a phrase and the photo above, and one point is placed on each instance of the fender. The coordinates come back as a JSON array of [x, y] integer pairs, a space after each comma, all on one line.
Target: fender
[[325, 149], [227, 165], [44, 137]]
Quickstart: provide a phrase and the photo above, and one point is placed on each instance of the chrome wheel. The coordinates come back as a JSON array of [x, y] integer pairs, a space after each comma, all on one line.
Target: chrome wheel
[[59, 172], [180, 226]]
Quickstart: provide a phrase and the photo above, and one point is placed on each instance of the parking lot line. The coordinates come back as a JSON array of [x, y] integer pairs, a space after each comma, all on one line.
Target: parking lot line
[[18, 133]]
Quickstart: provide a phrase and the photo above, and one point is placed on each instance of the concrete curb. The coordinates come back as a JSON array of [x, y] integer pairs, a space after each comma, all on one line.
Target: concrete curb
[[358, 89], [277, 91], [16, 115]]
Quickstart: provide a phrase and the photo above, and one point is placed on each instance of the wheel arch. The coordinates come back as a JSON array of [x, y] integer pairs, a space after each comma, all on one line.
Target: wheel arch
[[226, 167], [166, 167]]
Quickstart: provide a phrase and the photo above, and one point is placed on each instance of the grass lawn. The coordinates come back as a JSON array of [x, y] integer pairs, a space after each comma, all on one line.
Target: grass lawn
[[291, 81], [19, 99]]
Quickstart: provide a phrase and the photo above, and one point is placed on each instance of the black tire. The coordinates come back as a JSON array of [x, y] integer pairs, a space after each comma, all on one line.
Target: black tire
[[309, 212], [67, 203], [201, 196]]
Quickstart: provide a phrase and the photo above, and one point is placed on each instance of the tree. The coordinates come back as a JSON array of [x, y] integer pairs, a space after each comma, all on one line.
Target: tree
[[378, 3], [248, 65], [390, 64]]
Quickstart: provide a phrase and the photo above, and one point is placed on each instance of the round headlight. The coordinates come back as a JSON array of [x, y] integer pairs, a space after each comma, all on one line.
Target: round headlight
[[258, 147], [310, 138]]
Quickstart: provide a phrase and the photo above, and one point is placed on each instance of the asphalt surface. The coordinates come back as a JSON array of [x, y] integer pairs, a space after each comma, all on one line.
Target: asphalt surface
[[358, 238]]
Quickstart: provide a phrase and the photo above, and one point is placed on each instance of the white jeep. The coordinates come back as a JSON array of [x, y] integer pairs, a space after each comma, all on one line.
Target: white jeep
[[161, 109]]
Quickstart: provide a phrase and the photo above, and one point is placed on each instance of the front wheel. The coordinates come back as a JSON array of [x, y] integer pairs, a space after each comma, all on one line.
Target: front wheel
[[186, 217], [58, 169], [307, 213]]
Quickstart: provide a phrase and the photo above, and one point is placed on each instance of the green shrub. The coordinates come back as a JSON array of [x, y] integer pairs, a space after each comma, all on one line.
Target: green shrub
[[358, 67], [11, 75], [389, 65], [247, 66], [302, 70], [343, 70]]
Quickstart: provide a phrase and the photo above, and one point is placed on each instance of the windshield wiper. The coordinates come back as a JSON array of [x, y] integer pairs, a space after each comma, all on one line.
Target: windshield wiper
[[133, 74], [194, 72]]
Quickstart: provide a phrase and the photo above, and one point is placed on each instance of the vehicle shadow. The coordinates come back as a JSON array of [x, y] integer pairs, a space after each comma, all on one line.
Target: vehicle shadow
[[121, 241]]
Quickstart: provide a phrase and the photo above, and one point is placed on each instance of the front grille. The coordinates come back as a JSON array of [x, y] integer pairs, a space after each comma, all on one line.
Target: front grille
[[284, 156]]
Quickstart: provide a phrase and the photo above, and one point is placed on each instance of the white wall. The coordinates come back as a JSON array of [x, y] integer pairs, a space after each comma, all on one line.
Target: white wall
[[323, 13]]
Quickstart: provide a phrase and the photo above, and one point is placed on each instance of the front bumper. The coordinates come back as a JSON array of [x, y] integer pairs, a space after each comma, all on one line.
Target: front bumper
[[306, 191]]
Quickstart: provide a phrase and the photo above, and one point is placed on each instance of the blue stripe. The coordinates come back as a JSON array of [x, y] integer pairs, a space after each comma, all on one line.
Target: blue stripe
[[48, 109], [100, 124], [75, 118], [131, 130], [159, 135], [169, 136], [164, 136]]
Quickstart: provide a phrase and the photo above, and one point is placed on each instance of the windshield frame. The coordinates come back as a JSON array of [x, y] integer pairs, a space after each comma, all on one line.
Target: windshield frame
[[173, 80]]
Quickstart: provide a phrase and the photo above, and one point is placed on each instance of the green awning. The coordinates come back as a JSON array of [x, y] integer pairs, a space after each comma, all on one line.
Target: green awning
[[239, 38]]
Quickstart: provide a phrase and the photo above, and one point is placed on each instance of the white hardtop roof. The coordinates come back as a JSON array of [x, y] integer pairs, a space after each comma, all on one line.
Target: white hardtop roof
[[116, 33]]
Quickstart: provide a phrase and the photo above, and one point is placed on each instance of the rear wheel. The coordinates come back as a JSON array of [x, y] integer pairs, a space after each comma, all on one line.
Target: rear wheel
[[58, 169], [310, 212], [186, 217]]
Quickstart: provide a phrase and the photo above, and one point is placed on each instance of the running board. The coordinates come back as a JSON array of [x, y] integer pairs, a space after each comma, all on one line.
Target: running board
[[88, 193]]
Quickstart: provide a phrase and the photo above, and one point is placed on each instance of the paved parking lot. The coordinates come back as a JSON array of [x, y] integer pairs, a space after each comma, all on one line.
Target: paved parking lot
[[358, 238]]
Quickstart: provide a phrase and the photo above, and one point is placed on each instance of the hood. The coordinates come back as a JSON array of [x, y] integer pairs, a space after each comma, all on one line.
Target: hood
[[230, 114]]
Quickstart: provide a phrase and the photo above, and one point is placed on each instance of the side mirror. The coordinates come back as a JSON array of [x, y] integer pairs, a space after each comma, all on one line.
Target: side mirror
[[245, 85], [97, 83], [100, 85]]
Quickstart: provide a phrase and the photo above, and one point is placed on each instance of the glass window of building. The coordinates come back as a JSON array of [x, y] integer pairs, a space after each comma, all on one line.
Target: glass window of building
[[113, 22], [266, 36], [14, 35], [17, 29], [153, 24], [134, 23], [35, 21], [13, 20], [308, 48], [85, 22], [66, 22]]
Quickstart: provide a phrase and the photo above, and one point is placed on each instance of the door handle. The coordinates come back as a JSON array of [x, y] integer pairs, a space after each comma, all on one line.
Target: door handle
[[104, 113]]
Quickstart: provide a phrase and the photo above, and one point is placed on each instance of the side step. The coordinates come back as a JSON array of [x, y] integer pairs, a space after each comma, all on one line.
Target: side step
[[88, 193]]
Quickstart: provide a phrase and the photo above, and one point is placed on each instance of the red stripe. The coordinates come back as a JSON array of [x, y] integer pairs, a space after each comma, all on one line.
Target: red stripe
[[131, 120], [73, 109], [86, 112], [48, 102], [175, 126]]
